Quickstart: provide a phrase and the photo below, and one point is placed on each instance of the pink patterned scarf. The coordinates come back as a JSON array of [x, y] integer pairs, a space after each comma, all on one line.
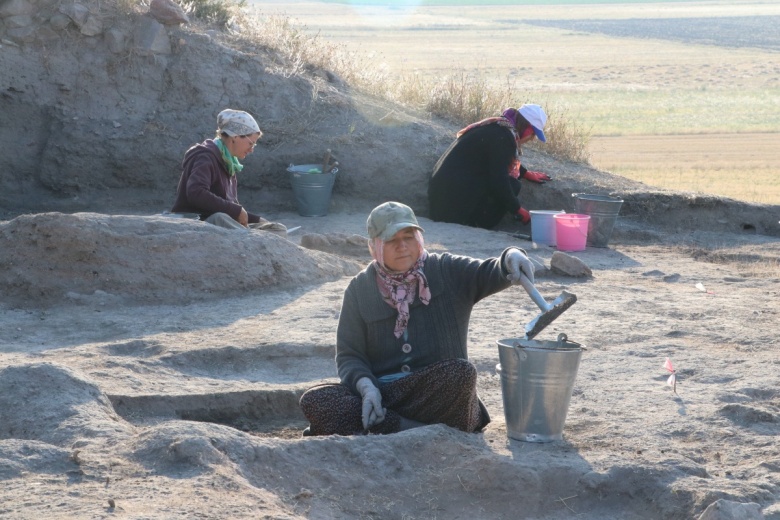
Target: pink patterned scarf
[[399, 289]]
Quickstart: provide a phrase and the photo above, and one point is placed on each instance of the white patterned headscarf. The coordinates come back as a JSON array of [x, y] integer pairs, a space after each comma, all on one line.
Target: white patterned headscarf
[[236, 123]]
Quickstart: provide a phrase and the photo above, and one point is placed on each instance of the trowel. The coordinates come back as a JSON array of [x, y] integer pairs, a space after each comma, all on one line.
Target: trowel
[[550, 310]]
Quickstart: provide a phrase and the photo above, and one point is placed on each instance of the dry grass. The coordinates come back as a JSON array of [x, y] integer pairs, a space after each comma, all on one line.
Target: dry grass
[[218, 12], [460, 96]]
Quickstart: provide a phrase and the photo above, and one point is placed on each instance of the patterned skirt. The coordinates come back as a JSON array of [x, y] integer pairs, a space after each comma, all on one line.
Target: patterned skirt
[[444, 392]]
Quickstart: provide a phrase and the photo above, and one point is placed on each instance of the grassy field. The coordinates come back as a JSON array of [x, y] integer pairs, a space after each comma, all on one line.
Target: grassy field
[[636, 95], [711, 163]]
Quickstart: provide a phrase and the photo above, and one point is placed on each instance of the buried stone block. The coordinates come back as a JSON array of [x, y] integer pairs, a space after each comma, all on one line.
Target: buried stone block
[[730, 510], [21, 34], [115, 40], [16, 8], [18, 21], [336, 243], [151, 37], [59, 21], [92, 26], [77, 12]]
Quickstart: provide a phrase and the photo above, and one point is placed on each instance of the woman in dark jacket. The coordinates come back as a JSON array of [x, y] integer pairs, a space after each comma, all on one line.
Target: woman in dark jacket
[[209, 178], [477, 180], [402, 333]]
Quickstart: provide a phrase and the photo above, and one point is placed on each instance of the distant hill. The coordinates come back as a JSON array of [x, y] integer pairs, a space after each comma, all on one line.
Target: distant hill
[[759, 32]]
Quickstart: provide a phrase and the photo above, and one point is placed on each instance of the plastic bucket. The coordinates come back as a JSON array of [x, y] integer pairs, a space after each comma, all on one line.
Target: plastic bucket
[[603, 211], [571, 231], [311, 190], [537, 380], [543, 226]]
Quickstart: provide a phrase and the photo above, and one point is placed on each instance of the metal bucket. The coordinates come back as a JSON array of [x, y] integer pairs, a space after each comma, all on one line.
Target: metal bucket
[[603, 211], [311, 188], [537, 379]]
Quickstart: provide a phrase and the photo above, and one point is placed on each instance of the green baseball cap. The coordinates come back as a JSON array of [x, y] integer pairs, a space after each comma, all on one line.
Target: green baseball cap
[[389, 218]]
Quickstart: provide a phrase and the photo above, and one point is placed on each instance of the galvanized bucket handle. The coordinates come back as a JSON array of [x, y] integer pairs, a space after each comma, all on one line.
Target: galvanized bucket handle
[[519, 352], [562, 338]]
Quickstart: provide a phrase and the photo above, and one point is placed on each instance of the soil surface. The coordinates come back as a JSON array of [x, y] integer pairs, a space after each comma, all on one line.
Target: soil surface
[[150, 366]]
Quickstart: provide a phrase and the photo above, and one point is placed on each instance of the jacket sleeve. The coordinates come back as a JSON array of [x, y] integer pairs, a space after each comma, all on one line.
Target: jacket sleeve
[[476, 279], [204, 173], [351, 349], [501, 152]]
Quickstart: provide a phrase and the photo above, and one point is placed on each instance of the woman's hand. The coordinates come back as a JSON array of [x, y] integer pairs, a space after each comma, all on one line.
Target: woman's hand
[[517, 263], [537, 177], [523, 216], [373, 413], [243, 218]]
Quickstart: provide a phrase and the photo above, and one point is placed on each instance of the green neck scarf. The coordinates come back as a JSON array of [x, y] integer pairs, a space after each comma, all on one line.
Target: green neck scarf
[[233, 166]]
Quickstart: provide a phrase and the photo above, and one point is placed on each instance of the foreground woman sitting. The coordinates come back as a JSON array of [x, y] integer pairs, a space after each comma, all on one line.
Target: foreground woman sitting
[[401, 341]]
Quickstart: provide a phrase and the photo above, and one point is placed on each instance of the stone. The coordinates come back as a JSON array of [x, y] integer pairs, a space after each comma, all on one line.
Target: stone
[[569, 265], [21, 34], [168, 12], [17, 21], [729, 510], [314, 241], [539, 268], [16, 8], [59, 21], [45, 33], [92, 26], [594, 480], [151, 37], [336, 243], [77, 12], [115, 40]]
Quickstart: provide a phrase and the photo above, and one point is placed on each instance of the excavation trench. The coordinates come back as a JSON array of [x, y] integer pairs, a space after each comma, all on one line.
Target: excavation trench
[[266, 413]]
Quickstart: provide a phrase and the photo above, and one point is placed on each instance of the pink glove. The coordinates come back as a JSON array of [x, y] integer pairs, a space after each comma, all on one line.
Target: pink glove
[[539, 177], [523, 216]]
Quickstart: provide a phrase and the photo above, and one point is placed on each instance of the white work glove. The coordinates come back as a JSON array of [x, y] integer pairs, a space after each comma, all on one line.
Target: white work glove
[[515, 262], [373, 413]]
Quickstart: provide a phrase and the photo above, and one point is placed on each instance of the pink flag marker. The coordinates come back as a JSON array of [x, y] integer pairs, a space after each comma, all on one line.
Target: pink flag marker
[[672, 380]]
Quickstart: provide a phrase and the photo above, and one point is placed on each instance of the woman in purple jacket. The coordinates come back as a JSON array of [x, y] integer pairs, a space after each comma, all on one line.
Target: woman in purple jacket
[[209, 185], [402, 334]]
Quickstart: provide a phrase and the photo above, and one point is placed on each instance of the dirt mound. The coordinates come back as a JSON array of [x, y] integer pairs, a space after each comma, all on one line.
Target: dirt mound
[[28, 409], [49, 258], [100, 114]]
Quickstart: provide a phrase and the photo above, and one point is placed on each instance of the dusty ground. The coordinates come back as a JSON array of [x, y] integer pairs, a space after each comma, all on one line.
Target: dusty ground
[[150, 367], [189, 408]]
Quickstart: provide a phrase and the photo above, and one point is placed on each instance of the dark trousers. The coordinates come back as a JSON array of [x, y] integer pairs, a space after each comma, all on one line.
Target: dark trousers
[[444, 392]]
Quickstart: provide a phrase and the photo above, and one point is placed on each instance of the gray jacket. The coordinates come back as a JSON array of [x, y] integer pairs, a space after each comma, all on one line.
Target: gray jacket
[[365, 343]]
